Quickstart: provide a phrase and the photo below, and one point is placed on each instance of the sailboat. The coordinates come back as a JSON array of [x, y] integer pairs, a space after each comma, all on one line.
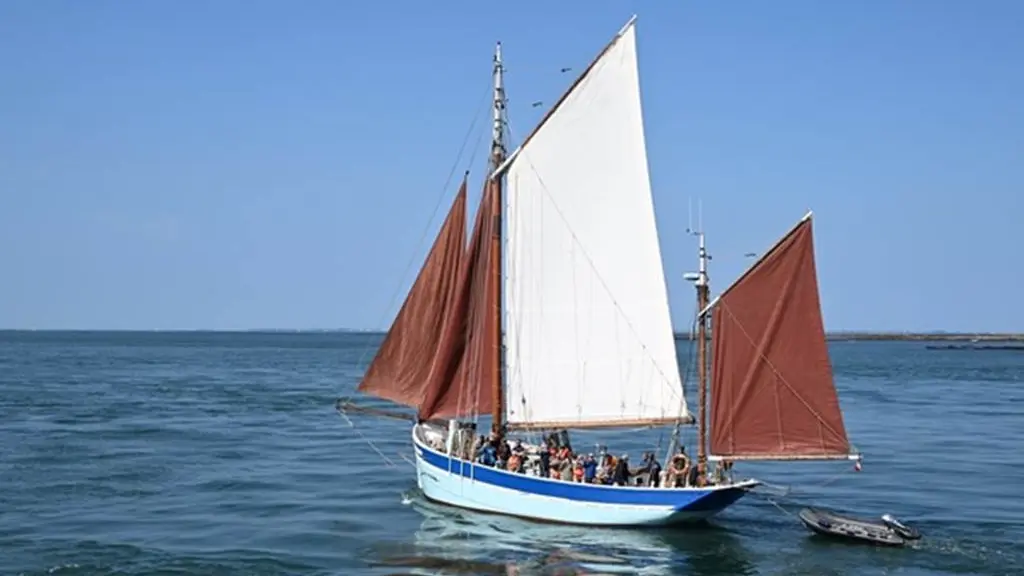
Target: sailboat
[[554, 316]]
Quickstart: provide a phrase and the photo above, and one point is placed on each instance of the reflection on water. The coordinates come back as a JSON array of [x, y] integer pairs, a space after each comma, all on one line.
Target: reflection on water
[[454, 541]]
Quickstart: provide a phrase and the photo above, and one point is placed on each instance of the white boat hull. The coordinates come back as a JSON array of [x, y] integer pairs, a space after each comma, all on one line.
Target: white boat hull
[[477, 487]]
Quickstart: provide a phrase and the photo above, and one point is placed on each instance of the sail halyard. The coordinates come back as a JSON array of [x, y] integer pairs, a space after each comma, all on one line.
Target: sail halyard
[[772, 391], [589, 336]]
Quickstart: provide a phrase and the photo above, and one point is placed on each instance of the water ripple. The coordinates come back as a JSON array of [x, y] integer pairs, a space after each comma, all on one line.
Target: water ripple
[[207, 453]]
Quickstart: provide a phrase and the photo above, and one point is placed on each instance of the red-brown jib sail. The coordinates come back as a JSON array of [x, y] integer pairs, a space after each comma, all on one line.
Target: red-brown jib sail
[[772, 392], [472, 334], [414, 350]]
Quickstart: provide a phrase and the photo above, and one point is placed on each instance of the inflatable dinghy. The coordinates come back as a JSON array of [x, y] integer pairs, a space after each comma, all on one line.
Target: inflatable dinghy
[[888, 532]]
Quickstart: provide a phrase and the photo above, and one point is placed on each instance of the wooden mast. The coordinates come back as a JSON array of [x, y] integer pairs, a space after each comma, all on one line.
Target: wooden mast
[[497, 158], [702, 354], [701, 282]]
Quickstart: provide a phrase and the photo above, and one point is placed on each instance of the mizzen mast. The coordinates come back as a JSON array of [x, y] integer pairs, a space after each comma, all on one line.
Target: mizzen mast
[[497, 158], [701, 282]]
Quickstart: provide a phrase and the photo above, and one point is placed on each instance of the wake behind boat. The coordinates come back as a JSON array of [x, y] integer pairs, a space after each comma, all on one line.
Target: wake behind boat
[[556, 317]]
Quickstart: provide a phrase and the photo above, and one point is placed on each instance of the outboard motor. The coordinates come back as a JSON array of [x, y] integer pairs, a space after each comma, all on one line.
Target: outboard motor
[[900, 528]]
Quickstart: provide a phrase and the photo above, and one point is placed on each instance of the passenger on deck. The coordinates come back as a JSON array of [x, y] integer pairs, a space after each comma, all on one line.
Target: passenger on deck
[[589, 469], [723, 472], [565, 468], [467, 445], [545, 463], [487, 455], [651, 469], [436, 443], [552, 453], [697, 476], [503, 452], [678, 470], [577, 470], [515, 462], [551, 441], [600, 471], [562, 439], [621, 473], [555, 460], [604, 469]]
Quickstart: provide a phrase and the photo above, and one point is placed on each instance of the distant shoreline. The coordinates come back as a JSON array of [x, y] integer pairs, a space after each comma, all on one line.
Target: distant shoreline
[[839, 336], [913, 337]]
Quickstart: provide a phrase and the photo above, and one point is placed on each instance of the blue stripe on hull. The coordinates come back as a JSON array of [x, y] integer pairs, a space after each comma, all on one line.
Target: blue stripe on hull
[[479, 487]]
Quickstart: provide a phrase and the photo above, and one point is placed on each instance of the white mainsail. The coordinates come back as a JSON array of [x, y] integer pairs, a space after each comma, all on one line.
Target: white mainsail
[[589, 339]]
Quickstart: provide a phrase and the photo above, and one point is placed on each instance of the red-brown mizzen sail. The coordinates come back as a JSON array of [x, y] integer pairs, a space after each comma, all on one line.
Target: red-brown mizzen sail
[[772, 392], [473, 334], [414, 354]]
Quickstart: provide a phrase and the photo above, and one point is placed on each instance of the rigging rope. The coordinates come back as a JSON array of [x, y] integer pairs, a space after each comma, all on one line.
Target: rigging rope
[[785, 493], [368, 345], [430, 220], [778, 506], [786, 490], [391, 463], [690, 361]]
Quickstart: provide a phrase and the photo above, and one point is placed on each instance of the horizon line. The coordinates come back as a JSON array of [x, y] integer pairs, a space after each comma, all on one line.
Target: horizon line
[[848, 332]]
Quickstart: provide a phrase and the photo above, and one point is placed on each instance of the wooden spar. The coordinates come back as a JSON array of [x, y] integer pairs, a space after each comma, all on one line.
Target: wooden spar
[[702, 357], [786, 457], [497, 158], [592, 424], [497, 394], [702, 380], [344, 406]]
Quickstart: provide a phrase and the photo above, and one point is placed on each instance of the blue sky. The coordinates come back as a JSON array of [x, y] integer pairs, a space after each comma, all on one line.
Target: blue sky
[[246, 164]]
